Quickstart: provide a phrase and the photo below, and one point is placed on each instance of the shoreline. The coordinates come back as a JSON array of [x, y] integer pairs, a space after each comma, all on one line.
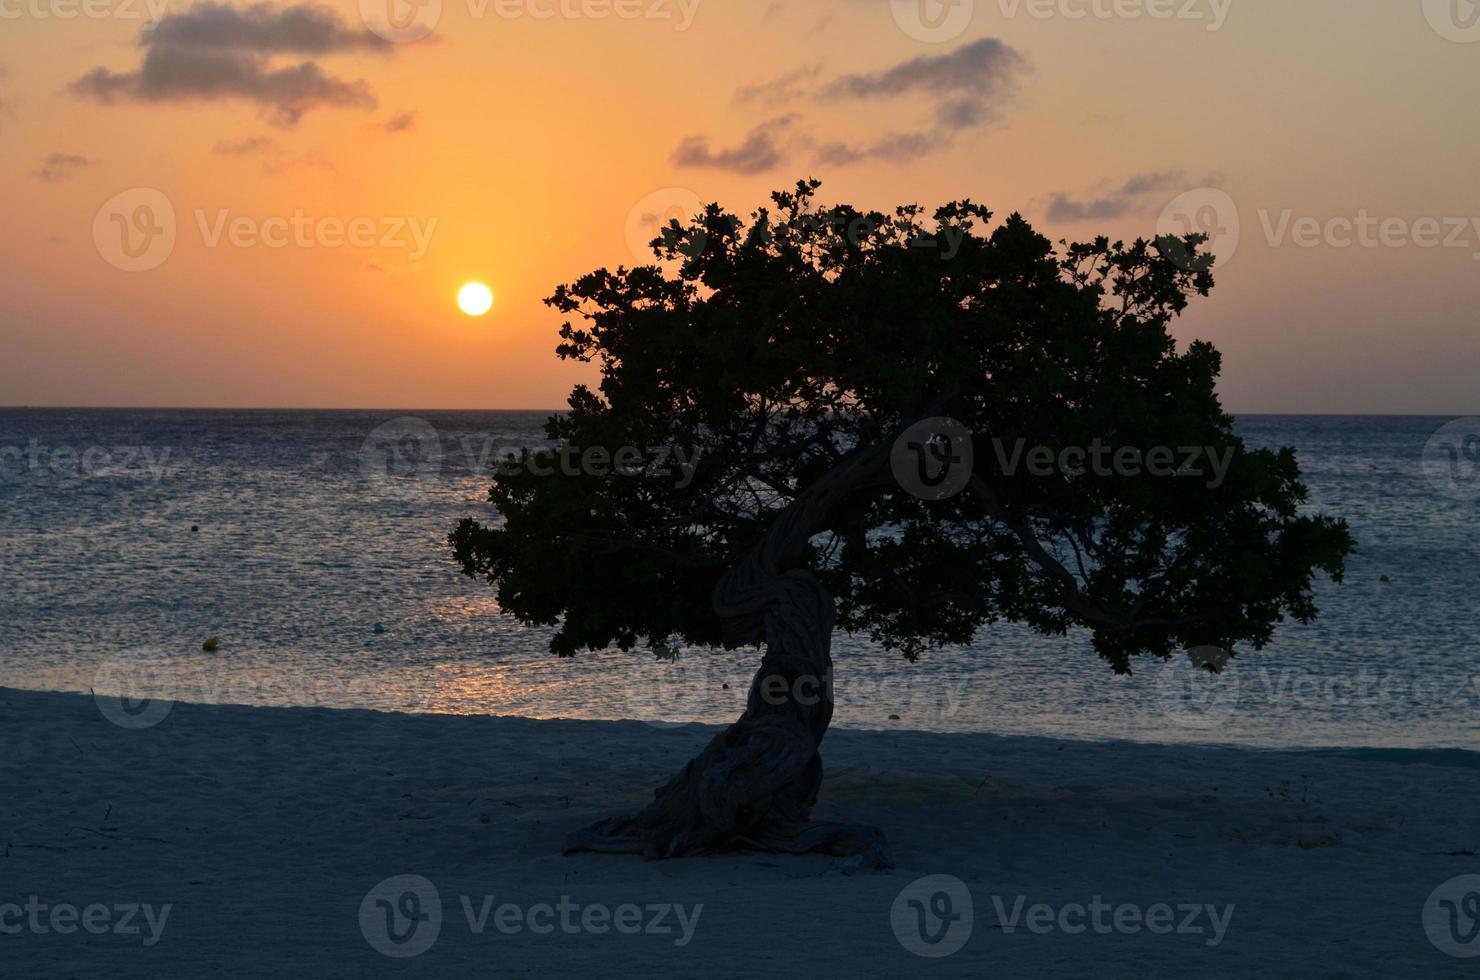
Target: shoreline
[[1439, 755], [269, 831]]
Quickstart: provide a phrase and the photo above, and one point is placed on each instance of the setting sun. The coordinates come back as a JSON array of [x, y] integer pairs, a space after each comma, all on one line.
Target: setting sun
[[475, 299]]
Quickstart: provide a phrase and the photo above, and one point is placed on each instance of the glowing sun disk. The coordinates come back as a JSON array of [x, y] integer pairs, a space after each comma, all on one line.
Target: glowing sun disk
[[475, 299]]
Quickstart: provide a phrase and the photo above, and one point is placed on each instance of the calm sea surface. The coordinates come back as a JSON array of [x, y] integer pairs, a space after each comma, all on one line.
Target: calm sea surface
[[310, 538]]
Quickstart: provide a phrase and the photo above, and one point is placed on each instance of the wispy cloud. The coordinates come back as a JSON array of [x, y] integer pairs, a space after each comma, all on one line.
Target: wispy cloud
[[61, 166], [966, 84], [304, 28], [758, 152], [242, 148], [890, 148], [788, 88], [307, 161], [1109, 204], [967, 89], [6, 110], [401, 122], [212, 51]]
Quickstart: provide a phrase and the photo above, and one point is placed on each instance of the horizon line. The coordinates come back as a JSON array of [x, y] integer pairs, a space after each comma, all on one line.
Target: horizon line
[[384, 408]]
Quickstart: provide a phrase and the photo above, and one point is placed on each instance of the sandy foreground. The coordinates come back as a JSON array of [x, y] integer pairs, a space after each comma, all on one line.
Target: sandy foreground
[[247, 842]]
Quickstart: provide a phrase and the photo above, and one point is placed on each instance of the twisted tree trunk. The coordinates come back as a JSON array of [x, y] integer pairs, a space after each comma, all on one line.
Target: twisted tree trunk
[[754, 785]]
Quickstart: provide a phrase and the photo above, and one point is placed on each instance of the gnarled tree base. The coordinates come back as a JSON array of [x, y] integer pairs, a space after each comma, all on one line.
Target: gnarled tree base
[[751, 789], [754, 785]]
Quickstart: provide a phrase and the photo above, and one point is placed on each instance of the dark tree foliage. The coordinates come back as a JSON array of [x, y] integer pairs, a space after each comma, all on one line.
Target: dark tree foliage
[[785, 355]]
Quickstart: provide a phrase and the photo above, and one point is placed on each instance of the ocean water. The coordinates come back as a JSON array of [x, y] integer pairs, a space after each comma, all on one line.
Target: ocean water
[[320, 563]]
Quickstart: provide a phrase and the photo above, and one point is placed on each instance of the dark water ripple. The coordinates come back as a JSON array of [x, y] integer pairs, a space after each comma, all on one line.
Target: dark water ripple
[[302, 551]]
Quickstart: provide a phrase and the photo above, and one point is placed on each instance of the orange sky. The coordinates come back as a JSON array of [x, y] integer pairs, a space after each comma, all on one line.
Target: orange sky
[[522, 147]]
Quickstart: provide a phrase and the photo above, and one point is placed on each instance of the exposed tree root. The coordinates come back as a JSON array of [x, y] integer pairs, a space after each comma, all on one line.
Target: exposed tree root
[[751, 789]]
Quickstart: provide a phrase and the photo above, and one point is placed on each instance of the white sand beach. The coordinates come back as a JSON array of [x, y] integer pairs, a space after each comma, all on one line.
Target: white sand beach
[[253, 842]]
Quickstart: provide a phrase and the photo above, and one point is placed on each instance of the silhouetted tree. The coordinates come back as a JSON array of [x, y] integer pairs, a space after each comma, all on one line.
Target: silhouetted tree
[[802, 358]]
